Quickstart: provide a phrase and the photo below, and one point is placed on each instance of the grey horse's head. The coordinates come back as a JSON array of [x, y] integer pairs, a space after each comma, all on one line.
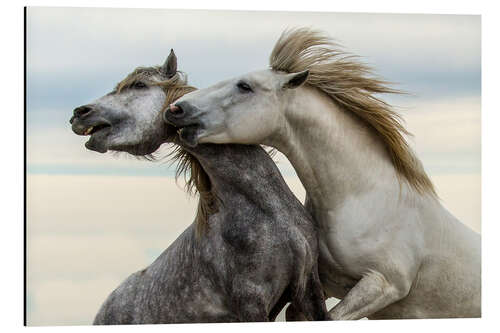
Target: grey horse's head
[[129, 118]]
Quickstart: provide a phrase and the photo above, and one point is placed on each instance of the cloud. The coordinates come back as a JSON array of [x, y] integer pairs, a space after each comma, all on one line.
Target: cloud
[[77, 54], [101, 31], [447, 134], [447, 125]]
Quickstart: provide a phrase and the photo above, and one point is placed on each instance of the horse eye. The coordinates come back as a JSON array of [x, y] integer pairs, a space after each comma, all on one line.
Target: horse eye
[[138, 85], [244, 87]]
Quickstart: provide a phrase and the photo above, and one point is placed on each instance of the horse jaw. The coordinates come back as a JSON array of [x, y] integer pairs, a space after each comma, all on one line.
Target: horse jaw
[[98, 146]]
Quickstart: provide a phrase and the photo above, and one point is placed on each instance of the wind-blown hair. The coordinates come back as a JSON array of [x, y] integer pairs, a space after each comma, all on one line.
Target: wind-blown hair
[[188, 166], [352, 85]]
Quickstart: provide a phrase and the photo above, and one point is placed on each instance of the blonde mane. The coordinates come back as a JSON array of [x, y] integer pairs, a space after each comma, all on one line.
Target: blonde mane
[[352, 86], [188, 166]]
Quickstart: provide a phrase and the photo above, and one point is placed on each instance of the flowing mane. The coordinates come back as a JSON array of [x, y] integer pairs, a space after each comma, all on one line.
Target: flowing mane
[[188, 166], [352, 86]]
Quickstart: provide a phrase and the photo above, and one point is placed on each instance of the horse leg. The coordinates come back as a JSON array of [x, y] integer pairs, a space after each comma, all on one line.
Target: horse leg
[[312, 305], [250, 300], [253, 311], [294, 314], [371, 294], [279, 306]]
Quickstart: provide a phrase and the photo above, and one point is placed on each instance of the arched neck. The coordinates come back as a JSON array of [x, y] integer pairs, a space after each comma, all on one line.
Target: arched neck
[[241, 170], [334, 153]]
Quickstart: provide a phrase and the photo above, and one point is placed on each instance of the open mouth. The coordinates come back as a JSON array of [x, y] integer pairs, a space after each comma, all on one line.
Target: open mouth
[[97, 134], [94, 129], [187, 131], [189, 134], [187, 128]]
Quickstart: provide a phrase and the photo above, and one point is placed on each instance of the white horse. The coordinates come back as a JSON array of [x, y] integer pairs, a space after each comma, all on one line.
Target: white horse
[[388, 248]]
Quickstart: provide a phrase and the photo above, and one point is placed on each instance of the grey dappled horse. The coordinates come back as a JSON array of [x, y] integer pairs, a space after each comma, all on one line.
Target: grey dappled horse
[[252, 247]]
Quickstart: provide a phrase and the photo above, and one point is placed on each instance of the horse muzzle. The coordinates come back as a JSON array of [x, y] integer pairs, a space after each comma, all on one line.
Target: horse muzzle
[[180, 114]]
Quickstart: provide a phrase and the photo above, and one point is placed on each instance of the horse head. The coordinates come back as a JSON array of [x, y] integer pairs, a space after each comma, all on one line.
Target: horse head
[[129, 117]]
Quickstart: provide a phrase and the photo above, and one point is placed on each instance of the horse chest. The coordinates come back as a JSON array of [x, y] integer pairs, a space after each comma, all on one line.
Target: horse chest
[[358, 231], [332, 273], [346, 249]]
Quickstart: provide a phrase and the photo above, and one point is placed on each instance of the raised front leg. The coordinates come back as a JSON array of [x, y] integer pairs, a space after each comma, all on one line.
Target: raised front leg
[[371, 294]]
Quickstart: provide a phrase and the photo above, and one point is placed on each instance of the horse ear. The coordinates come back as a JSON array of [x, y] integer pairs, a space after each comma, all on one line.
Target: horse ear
[[170, 65], [295, 80]]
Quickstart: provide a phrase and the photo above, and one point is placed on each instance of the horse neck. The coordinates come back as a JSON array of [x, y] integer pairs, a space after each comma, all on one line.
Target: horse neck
[[335, 154], [240, 170]]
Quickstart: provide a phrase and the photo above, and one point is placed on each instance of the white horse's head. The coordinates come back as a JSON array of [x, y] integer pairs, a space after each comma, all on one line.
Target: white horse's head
[[246, 109], [128, 118]]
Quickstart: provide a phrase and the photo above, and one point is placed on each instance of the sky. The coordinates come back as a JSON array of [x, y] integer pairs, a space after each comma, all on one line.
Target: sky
[[87, 212]]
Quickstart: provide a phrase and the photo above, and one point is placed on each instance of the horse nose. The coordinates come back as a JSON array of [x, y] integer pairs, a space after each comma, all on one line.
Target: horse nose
[[82, 110], [176, 109], [180, 112]]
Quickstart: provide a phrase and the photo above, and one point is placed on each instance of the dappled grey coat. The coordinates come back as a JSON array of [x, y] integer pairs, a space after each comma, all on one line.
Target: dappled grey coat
[[258, 252]]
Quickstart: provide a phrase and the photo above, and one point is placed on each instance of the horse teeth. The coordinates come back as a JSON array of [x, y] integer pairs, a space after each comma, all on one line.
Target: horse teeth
[[88, 130]]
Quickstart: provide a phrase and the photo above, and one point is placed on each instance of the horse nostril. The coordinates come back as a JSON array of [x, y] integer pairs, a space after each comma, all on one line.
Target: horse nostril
[[175, 109], [82, 110]]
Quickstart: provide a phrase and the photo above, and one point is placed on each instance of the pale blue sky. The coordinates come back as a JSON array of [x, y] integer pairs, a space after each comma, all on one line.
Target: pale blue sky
[[75, 55]]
